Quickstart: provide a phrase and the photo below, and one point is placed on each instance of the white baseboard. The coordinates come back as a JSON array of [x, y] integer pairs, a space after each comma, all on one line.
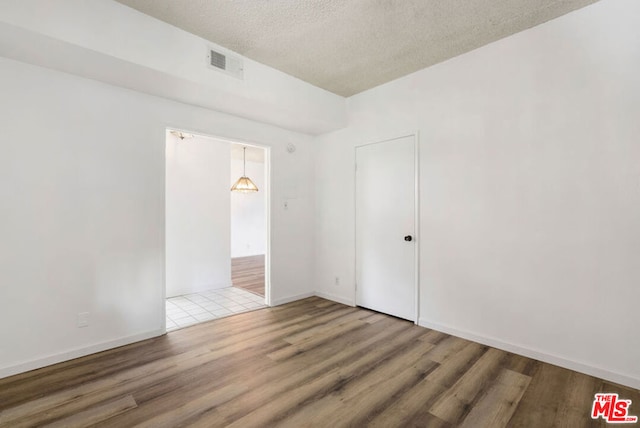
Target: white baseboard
[[177, 292], [536, 354], [335, 298], [289, 299], [328, 296], [75, 353]]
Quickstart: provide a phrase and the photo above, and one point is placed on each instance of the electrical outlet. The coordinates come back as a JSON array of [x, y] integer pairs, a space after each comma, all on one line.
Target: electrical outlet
[[83, 319], [337, 280]]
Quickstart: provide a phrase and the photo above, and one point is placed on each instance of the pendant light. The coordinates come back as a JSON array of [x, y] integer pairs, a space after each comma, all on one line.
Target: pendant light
[[244, 183]]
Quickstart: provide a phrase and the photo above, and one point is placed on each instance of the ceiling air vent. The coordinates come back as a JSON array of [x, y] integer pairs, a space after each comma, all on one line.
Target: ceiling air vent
[[228, 64], [218, 60]]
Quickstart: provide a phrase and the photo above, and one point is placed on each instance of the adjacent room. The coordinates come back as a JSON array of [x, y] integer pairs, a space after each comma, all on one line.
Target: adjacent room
[[215, 228], [356, 213]]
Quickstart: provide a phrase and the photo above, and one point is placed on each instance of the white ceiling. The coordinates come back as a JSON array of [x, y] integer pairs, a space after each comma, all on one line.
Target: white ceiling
[[348, 46]]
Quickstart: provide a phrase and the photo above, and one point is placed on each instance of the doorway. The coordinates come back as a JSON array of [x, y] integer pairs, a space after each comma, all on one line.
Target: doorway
[[386, 227], [248, 219], [199, 283]]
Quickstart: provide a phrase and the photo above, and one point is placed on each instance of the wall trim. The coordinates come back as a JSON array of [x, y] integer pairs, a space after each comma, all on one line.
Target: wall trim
[[181, 291], [335, 298], [535, 354], [289, 299], [77, 353]]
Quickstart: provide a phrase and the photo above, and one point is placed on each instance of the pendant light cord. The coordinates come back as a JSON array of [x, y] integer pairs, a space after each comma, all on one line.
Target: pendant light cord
[[244, 161]]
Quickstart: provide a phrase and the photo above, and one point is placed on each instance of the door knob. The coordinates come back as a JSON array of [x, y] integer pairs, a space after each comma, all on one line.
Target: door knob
[[408, 238]]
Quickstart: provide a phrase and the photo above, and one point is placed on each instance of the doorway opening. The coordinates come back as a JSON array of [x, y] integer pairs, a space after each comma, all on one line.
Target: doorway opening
[[248, 225], [216, 240]]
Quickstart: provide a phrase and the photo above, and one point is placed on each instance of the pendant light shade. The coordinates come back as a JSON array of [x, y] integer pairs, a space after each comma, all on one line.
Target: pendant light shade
[[244, 183]]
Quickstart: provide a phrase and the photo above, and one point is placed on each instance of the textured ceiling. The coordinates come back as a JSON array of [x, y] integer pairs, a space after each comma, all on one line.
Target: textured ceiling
[[348, 46]]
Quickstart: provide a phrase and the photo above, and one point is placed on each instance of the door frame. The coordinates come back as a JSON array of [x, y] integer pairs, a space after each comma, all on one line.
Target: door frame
[[416, 220], [267, 190]]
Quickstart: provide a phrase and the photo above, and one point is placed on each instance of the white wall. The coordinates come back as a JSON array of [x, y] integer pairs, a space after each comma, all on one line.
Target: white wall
[[530, 190], [248, 222], [110, 42], [197, 220], [82, 174]]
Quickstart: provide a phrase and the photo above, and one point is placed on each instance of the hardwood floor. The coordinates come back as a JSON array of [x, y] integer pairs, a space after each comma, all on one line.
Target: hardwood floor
[[307, 363], [248, 273]]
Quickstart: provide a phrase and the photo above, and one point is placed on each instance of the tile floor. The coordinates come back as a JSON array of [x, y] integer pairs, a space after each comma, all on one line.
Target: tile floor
[[183, 311]]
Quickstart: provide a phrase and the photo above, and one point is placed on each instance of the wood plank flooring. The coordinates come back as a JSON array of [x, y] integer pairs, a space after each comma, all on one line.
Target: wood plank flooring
[[307, 363], [248, 273]]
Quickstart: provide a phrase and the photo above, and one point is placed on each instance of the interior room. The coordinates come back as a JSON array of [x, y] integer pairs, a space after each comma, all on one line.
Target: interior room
[[445, 229]]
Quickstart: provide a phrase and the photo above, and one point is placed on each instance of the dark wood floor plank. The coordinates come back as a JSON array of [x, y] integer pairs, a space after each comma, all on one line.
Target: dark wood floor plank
[[495, 408], [248, 273], [541, 401], [412, 408], [435, 337], [313, 341], [312, 333], [455, 402], [96, 414], [580, 389], [520, 364], [308, 363], [451, 345], [178, 415], [455, 364]]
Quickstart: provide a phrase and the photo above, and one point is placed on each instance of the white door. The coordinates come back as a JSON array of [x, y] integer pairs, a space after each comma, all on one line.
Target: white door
[[385, 227]]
